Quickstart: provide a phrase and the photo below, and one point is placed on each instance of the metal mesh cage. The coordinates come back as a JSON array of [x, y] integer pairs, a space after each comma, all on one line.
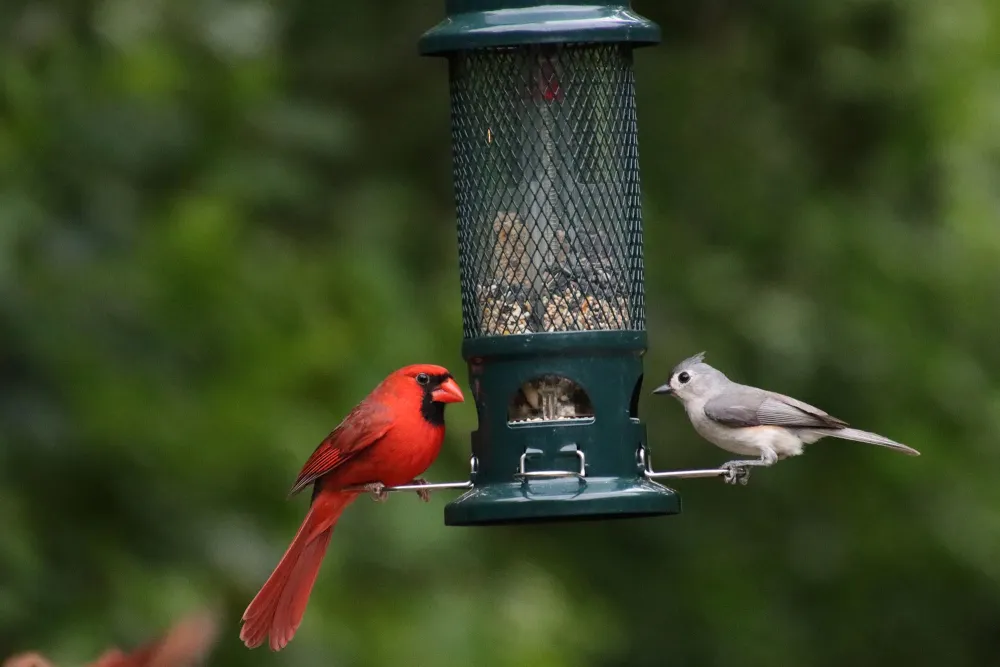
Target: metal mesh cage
[[547, 189]]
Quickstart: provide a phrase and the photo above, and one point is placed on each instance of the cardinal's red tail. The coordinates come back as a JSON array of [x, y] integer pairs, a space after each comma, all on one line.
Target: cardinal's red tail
[[278, 608]]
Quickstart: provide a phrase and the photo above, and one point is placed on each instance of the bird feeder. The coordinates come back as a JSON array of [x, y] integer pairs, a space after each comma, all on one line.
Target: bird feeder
[[546, 175]]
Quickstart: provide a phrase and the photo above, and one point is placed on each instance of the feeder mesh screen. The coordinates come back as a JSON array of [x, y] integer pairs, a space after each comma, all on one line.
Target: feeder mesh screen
[[547, 189]]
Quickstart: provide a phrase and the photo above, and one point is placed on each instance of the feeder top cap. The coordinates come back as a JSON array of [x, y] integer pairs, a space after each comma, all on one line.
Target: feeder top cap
[[484, 24]]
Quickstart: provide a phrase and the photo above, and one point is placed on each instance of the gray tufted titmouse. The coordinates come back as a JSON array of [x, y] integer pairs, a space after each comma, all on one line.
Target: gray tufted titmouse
[[755, 422]]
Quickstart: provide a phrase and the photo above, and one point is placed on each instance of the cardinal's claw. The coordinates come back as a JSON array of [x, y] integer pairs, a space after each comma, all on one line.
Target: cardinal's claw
[[424, 494], [377, 489]]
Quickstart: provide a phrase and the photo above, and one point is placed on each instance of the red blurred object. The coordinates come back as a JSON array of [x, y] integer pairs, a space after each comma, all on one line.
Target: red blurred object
[[186, 643], [548, 81]]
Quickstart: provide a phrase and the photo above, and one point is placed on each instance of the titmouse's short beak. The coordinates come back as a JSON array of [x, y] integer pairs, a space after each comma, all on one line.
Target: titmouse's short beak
[[447, 392], [663, 389]]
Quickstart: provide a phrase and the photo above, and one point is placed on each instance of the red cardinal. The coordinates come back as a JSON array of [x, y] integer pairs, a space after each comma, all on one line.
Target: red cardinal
[[388, 439]]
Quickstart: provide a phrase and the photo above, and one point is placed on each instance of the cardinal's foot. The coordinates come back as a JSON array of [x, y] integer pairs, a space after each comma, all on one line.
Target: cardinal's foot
[[425, 494], [377, 489]]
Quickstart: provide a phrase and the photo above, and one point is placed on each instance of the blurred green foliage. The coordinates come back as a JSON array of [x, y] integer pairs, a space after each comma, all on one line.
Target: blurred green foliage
[[222, 222]]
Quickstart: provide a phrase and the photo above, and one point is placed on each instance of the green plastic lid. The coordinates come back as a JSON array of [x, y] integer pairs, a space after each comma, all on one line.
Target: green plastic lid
[[483, 24]]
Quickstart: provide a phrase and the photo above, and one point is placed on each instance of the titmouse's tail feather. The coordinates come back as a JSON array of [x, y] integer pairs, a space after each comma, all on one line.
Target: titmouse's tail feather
[[872, 439]]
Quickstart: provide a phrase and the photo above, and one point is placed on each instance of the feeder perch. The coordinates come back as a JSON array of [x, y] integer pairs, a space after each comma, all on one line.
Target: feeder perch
[[546, 176]]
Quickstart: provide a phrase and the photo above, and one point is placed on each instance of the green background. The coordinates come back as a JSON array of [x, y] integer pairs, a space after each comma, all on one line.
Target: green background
[[222, 223]]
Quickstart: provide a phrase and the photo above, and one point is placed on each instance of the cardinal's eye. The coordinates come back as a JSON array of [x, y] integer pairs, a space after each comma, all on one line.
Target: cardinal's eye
[[684, 377], [423, 378]]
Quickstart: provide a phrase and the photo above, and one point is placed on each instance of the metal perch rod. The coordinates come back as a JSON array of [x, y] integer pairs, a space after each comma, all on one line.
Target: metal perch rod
[[686, 474], [439, 486], [730, 475], [738, 474]]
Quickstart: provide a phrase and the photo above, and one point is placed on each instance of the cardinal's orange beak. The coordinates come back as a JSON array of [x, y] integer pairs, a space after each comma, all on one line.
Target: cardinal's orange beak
[[447, 392]]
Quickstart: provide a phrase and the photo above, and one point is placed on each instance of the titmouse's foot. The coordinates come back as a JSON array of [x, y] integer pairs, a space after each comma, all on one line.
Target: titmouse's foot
[[425, 495], [736, 474], [739, 471], [377, 489]]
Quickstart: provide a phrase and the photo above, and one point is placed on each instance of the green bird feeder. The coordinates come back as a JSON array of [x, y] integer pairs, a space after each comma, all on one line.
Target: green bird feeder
[[546, 173]]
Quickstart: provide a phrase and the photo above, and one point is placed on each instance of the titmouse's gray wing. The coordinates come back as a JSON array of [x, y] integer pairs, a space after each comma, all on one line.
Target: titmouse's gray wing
[[743, 406]]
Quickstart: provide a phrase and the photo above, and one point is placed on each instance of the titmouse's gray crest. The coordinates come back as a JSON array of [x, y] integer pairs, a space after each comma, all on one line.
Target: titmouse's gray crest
[[751, 421], [691, 377]]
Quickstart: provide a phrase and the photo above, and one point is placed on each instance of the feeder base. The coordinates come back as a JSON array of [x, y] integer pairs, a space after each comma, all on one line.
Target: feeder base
[[559, 500]]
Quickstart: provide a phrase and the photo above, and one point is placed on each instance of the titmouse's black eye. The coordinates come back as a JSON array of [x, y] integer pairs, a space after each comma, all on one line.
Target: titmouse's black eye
[[423, 378], [684, 377]]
